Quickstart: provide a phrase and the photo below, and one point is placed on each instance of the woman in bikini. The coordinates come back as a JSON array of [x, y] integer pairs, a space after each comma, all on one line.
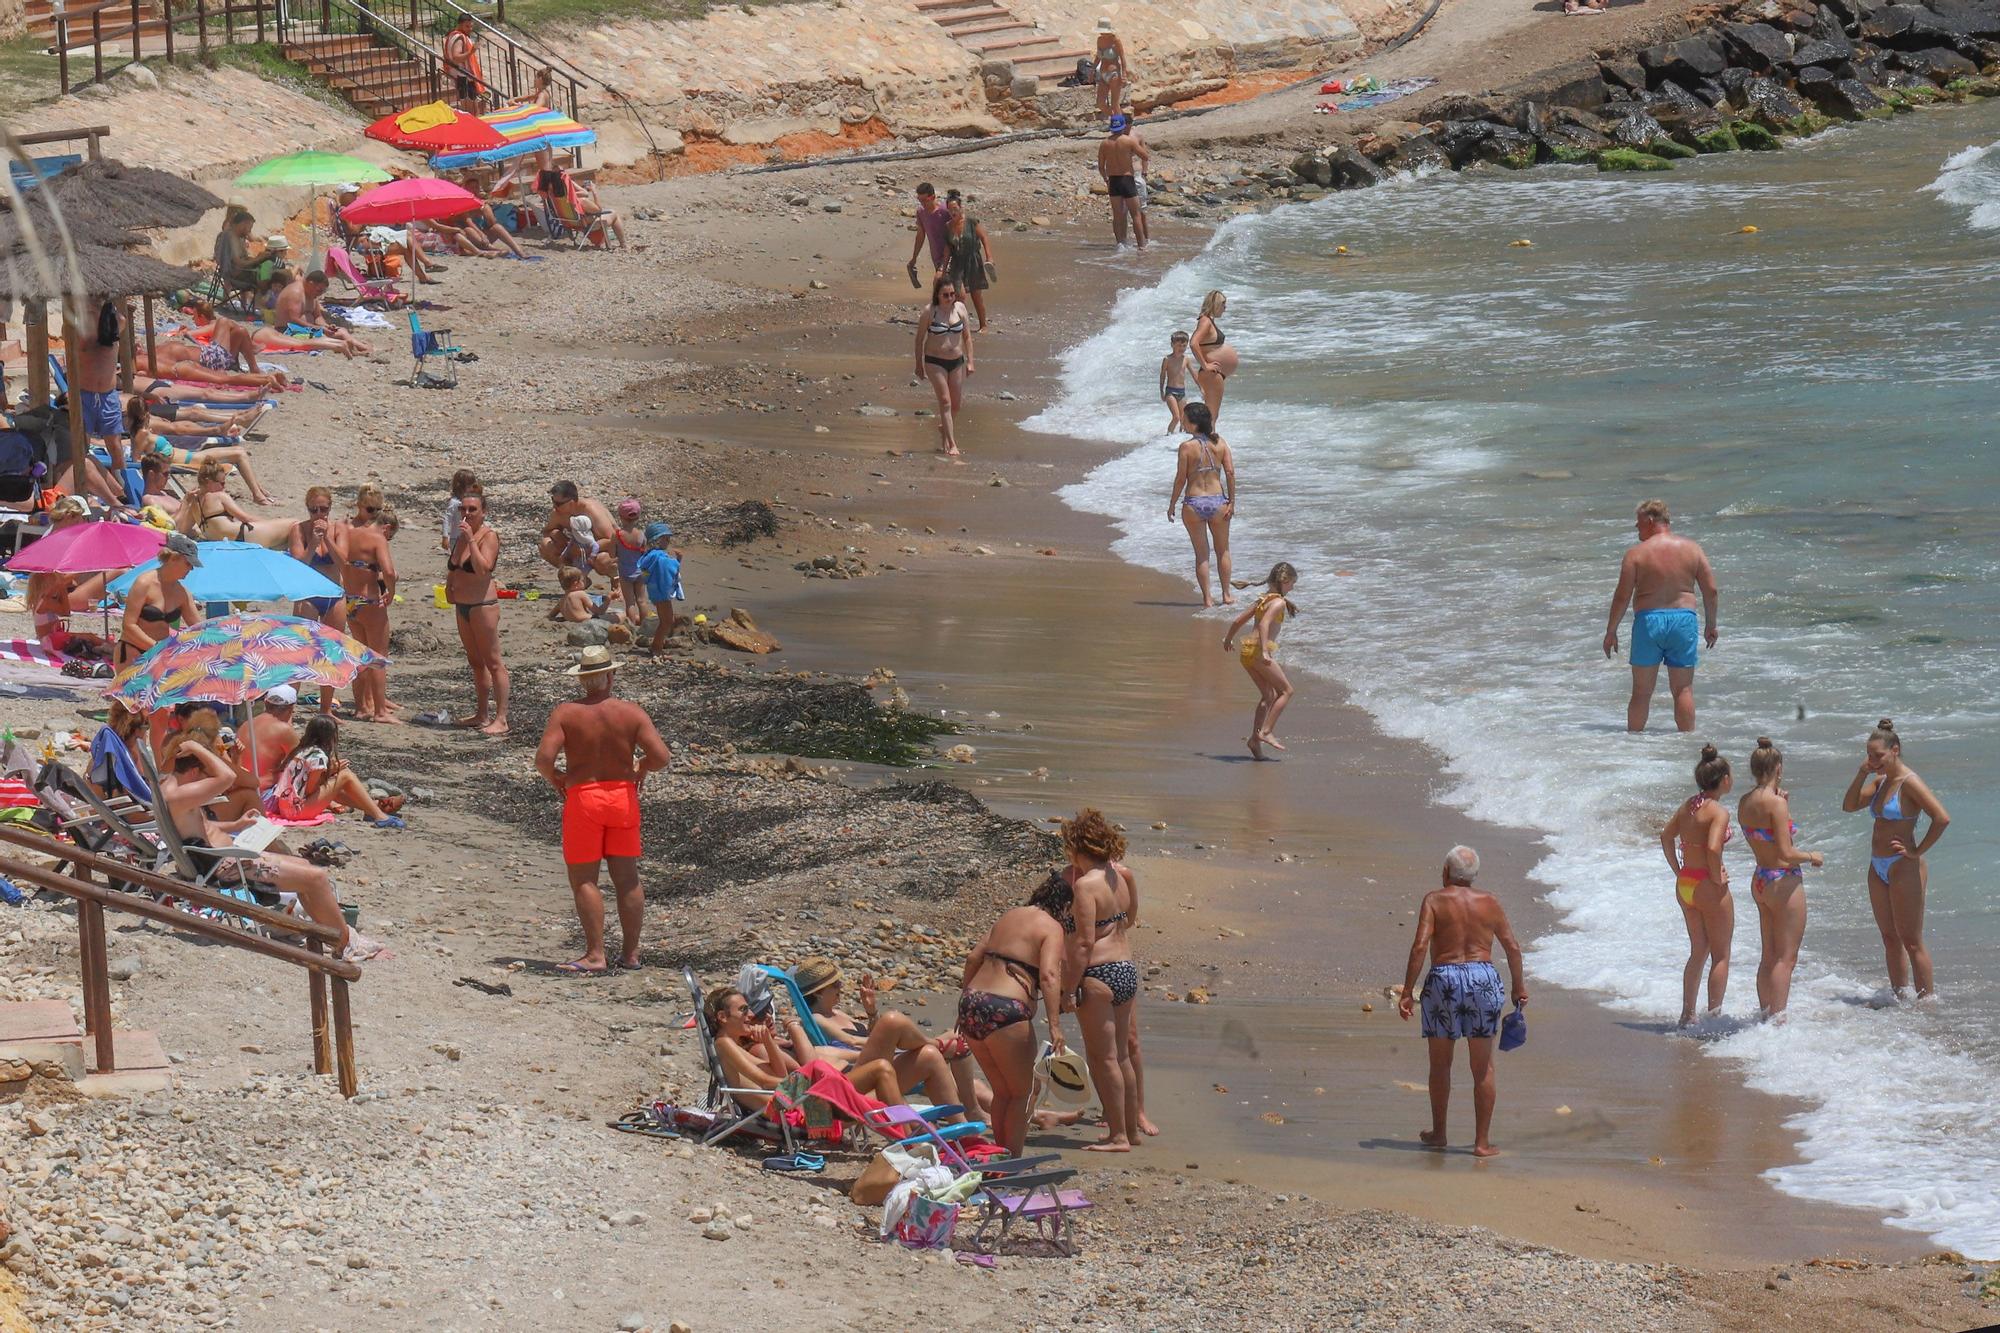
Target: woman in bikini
[[1692, 842], [146, 441], [1205, 495], [1214, 358], [209, 514], [890, 1036], [1777, 885], [1106, 907], [52, 596], [752, 1057], [468, 584], [1019, 962], [368, 575], [1259, 654], [158, 603], [1112, 71], [320, 542], [970, 264], [944, 357], [1891, 791]]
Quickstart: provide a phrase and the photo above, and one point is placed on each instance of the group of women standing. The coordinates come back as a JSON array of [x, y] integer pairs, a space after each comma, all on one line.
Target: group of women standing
[[353, 552], [1693, 840], [944, 333]]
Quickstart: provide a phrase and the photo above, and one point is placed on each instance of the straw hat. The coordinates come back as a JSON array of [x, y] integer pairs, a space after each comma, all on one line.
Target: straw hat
[[1065, 1077], [595, 661], [815, 975], [1104, 24]]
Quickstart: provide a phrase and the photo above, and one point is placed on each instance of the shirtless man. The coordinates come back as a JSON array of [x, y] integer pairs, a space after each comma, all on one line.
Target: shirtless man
[[1121, 159], [297, 311], [273, 732], [96, 381], [596, 736], [1462, 995], [1658, 578], [562, 544]]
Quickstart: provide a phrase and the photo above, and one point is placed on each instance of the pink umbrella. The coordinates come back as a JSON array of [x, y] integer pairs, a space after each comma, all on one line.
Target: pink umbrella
[[418, 199], [86, 548]]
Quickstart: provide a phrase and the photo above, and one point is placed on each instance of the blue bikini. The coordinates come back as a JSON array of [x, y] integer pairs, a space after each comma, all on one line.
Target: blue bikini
[[1891, 810]]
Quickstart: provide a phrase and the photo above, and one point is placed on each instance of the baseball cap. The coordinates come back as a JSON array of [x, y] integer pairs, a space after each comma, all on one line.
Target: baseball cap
[[281, 696], [1120, 122], [182, 545], [655, 531]]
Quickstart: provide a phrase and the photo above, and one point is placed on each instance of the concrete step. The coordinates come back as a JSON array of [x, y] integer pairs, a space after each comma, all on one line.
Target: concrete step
[[1011, 25], [932, 6], [142, 1067], [1052, 58], [956, 18], [996, 47], [36, 1020]]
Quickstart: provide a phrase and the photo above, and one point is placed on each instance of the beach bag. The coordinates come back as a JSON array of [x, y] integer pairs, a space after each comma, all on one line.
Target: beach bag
[[1086, 72], [920, 1223], [875, 1182]]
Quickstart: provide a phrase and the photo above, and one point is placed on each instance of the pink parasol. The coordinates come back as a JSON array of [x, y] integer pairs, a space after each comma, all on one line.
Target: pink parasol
[[87, 548], [418, 199]]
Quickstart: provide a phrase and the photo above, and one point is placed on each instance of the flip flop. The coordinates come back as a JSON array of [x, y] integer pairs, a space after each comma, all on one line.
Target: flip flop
[[574, 969], [624, 966], [802, 1161], [643, 1121]]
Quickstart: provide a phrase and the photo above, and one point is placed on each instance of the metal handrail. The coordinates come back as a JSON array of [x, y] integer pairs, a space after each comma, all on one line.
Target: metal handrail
[[92, 899]]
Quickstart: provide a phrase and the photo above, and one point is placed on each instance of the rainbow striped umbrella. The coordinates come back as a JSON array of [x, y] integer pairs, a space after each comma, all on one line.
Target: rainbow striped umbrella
[[523, 130], [233, 659]]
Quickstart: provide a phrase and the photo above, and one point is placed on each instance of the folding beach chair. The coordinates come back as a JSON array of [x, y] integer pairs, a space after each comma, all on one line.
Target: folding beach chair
[[721, 1098], [1037, 1199], [116, 827], [564, 219], [369, 291], [428, 343]]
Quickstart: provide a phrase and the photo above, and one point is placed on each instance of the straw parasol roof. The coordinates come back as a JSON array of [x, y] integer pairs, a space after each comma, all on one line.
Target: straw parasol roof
[[84, 226], [132, 196], [101, 269]]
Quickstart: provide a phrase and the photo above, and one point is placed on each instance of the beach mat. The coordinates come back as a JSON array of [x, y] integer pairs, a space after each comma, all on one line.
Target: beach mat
[[30, 650], [1388, 92]]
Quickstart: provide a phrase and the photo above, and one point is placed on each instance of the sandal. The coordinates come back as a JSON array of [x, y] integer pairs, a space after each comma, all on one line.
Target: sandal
[[645, 1120], [798, 1161]]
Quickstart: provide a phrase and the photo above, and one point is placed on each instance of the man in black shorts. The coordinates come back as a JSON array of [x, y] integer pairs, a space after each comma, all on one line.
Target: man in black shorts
[[1121, 159]]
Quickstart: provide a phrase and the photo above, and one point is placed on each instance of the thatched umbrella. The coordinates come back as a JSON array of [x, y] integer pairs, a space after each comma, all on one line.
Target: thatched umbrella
[[100, 270], [132, 196]]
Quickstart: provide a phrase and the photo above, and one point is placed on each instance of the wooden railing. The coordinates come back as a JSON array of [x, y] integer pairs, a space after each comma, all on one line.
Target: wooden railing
[[212, 22], [330, 1048]]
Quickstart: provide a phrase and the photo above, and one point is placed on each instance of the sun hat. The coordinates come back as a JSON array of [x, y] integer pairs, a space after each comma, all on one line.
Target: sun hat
[[182, 545], [1120, 123], [280, 696], [1514, 1030], [1104, 24], [1065, 1076], [595, 661], [815, 975], [70, 504], [655, 531], [629, 507], [276, 243]]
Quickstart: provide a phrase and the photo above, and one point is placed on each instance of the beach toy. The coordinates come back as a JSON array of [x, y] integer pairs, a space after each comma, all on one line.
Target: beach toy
[[1746, 231], [1340, 249], [437, 597], [700, 619], [507, 594]]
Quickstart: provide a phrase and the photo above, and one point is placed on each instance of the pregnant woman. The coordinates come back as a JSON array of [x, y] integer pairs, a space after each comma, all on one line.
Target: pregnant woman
[[1214, 358], [1888, 789], [1701, 884], [1777, 886], [944, 357], [1205, 495]]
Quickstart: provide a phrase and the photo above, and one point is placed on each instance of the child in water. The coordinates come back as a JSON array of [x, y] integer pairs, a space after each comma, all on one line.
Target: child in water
[[1173, 382], [662, 568], [1260, 650], [628, 542]]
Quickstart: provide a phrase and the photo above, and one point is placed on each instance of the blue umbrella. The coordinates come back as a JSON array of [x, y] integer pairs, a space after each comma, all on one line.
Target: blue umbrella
[[244, 572]]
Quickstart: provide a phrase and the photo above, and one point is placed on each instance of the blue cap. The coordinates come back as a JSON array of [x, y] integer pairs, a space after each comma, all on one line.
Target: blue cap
[[1120, 123], [655, 531]]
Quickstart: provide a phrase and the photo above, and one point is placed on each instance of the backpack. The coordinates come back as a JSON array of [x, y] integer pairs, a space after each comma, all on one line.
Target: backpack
[[107, 325], [1086, 72]]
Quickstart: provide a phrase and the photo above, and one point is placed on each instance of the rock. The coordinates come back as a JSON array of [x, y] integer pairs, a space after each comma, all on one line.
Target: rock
[[1721, 140], [1418, 152], [1460, 106], [962, 754], [1937, 64], [630, 1217], [358, 1260], [1575, 83], [1571, 143], [1312, 167], [817, 285], [678, 1327], [631, 1323], [139, 75], [1681, 114], [717, 1230], [1349, 170], [37, 1125], [872, 410], [1631, 159], [1767, 103], [1753, 138], [124, 969], [740, 632], [590, 633], [1832, 53], [1635, 129], [1685, 62], [827, 205], [1627, 74], [1757, 45], [1469, 141], [1196, 995], [1844, 99]]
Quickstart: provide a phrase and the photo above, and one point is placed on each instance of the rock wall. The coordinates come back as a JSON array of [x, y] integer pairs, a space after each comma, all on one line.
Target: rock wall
[[13, 18]]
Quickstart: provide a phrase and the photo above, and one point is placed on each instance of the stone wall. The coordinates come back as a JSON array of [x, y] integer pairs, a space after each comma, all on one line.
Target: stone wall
[[13, 18]]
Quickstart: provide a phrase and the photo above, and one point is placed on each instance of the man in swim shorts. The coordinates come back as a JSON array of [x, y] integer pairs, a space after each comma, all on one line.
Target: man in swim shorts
[[1462, 996], [597, 737], [1120, 159], [95, 378], [1658, 578]]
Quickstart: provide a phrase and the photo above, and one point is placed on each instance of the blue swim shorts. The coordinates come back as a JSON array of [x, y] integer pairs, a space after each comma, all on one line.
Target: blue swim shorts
[[1462, 1000], [1669, 634], [101, 416]]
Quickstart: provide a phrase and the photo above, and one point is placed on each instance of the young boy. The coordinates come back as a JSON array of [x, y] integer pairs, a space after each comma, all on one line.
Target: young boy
[[662, 568], [1173, 382], [576, 605]]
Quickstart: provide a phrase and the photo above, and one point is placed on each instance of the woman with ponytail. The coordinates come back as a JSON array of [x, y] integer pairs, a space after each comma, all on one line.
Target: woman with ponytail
[[1778, 885], [1897, 877], [1259, 654], [1693, 841]]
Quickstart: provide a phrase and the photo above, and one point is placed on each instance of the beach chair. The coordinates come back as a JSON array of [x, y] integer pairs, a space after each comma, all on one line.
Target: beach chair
[[114, 827], [369, 291], [38, 169], [564, 219], [721, 1098], [202, 866], [23, 468], [1037, 1198], [428, 343], [783, 977]]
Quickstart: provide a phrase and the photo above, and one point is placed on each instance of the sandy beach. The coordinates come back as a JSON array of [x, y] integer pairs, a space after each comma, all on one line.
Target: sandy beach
[[718, 371]]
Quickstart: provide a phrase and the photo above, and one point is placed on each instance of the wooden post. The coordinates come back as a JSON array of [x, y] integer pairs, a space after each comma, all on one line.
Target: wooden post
[[92, 1020], [135, 31], [128, 369], [167, 9], [343, 1039], [151, 334], [97, 45], [97, 981], [72, 359], [35, 318], [62, 54], [316, 992]]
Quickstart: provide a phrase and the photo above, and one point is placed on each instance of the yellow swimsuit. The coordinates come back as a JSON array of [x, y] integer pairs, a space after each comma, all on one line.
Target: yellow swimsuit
[[1248, 652]]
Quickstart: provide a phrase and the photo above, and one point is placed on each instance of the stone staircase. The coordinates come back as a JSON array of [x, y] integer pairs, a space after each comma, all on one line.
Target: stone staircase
[[40, 1039], [987, 29]]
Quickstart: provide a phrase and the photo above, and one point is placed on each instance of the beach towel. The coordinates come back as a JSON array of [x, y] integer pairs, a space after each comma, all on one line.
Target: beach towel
[[30, 650], [360, 316], [112, 768], [1388, 92]]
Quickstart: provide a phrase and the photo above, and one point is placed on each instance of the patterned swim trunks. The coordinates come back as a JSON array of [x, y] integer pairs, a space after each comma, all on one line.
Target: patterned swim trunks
[[1462, 1000]]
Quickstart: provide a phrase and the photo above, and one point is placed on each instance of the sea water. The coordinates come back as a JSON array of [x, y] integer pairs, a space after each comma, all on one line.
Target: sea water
[[1448, 434]]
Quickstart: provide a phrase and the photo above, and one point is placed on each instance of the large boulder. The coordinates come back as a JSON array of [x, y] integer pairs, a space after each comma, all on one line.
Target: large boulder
[[1766, 102], [1973, 19], [1733, 81], [1687, 61], [1466, 106], [1314, 168], [1844, 99], [1758, 46], [1351, 171], [1938, 64], [1631, 159], [1684, 117], [1831, 54], [1571, 143], [1634, 129], [1623, 73], [1417, 152], [1575, 83]]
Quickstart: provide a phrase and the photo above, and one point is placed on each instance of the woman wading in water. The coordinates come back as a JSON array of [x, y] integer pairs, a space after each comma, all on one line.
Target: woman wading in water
[[1778, 885], [1214, 358], [1259, 652], [944, 357], [468, 583], [1106, 907], [1891, 791], [1205, 494], [1701, 882]]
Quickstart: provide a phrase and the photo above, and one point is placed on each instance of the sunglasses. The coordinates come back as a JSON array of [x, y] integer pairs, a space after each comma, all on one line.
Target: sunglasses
[[319, 509], [369, 509]]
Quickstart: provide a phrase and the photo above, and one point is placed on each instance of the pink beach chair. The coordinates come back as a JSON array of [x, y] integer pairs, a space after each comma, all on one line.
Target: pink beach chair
[[369, 289]]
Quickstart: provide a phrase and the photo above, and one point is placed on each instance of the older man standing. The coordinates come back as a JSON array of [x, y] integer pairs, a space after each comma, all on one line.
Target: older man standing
[[1461, 996], [597, 737], [1658, 577], [1121, 160]]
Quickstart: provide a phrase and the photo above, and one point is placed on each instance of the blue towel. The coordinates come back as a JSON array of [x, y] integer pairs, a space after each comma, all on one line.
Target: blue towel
[[112, 767]]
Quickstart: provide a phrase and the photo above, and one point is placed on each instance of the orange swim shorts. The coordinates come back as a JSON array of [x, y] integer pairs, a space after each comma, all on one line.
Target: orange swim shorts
[[600, 819]]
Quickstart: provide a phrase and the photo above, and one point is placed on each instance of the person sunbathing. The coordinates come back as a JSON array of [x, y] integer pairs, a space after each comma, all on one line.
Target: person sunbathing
[[944, 1067], [170, 416], [52, 596], [752, 1058], [196, 394], [209, 514], [180, 357], [246, 342], [145, 441], [197, 775], [298, 313], [313, 776], [242, 799]]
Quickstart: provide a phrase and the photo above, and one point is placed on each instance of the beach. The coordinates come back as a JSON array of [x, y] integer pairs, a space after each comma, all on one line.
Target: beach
[[724, 366]]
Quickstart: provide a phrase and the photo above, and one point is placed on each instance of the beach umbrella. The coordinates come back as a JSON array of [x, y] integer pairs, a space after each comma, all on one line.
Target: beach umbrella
[[418, 199], [89, 548], [112, 192], [523, 130], [435, 127], [234, 659], [309, 171], [243, 572]]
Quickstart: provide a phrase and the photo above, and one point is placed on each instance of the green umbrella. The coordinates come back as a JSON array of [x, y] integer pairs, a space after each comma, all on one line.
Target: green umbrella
[[311, 169]]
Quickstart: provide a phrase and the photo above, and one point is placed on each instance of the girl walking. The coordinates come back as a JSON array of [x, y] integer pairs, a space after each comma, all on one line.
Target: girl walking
[[1259, 652]]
